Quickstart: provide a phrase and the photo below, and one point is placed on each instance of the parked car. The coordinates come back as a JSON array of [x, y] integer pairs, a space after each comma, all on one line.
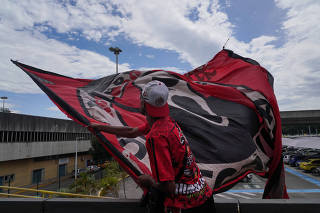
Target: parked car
[[93, 168], [310, 153], [316, 171], [247, 178], [298, 163], [300, 157], [310, 164], [286, 159], [288, 153], [294, 159], [79, 171]]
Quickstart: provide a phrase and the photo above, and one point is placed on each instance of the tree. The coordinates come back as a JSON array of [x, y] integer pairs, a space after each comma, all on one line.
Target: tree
[[85, 184], [109, 184]]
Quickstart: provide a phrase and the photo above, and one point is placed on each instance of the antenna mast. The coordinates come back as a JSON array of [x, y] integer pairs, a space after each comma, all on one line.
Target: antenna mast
[[225, 43]]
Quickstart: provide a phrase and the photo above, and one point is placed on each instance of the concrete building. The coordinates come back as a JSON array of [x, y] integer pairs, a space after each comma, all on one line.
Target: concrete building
[[300, 122], [35, 150]]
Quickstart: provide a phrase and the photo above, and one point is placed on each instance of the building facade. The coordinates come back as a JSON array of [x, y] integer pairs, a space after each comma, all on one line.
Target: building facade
[[39, 150], [303, 122]]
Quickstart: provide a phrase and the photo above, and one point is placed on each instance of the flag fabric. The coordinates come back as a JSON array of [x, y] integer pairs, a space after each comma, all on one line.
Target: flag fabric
[[226, 108]]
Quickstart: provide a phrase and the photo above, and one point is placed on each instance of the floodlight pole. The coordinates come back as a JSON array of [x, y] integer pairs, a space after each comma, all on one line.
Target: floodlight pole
[[116, 51], [3, 100]]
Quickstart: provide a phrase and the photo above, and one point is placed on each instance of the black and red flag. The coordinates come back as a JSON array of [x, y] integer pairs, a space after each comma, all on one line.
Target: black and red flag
[[226, 108]]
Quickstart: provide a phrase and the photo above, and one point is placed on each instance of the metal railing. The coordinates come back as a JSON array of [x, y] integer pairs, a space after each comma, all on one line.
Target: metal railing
[[44, 193]]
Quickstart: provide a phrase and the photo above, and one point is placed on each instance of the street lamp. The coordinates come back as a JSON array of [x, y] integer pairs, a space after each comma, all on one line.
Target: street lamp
[[116, 51], [76, 159], [3, 100]]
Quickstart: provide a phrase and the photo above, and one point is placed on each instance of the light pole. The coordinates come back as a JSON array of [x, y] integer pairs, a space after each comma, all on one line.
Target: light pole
[[3, 100], [116, 51], [76, 159]]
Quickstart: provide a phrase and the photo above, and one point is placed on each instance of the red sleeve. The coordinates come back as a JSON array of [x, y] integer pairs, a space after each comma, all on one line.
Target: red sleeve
[[144, 128], [160, 159]]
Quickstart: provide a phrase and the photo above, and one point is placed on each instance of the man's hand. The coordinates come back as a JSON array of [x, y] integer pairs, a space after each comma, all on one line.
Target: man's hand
[[122, 131], [145, 181], [97, 127], [167, 187]]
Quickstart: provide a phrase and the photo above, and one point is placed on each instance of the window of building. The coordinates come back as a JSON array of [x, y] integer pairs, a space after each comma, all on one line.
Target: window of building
[[37, 176], [2, 135], [26, 136], [8, 178]]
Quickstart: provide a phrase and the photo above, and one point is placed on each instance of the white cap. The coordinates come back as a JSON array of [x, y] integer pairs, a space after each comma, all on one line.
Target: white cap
[[155, 93]]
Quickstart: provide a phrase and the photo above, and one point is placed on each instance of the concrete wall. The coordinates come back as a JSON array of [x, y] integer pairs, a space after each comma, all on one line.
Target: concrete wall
[[22, 169], [300, 114], [77, 205], [27, 123], [304, 117], [15, 151]]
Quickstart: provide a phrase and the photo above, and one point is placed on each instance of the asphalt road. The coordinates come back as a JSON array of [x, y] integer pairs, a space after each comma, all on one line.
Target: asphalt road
[[299, 185]]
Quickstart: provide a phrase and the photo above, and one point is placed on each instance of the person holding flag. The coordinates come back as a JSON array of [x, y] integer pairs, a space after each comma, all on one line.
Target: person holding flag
[[176, 181]]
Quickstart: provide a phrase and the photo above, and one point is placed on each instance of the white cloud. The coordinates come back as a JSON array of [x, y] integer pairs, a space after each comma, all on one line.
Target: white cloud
[[23, 25], [149, 56], [34, 48], [161, 25], [54, 108], [15, 111], [228, 3], [296, 65], [164, 25], [92, 18], [11, 107], [173, 69]]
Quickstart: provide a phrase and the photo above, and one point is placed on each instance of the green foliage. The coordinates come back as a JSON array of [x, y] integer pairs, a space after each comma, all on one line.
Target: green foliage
[[85, 184], [109, 184], [112, 168]]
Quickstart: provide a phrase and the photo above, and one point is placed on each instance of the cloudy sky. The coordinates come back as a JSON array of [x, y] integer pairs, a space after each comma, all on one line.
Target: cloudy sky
[[72, 38]]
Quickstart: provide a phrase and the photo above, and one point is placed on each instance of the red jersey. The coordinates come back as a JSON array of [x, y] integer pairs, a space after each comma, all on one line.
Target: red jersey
[[171, 159]]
